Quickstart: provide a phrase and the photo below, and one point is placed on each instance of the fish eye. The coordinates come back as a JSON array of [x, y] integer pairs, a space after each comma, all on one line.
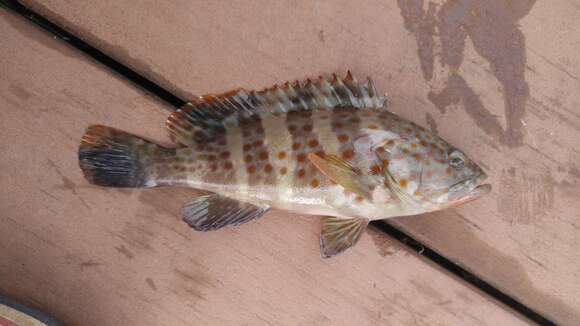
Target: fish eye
[[456, 159]]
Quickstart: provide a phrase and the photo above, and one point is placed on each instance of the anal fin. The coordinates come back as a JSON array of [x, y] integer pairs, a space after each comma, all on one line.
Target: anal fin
[[339, 234], [212, 212]]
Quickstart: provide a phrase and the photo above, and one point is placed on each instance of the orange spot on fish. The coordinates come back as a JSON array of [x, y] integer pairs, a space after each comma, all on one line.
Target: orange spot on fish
[[314, 183], [295, 146], [225, 154], [355, 120], [268, 168], [228, 165], [417, 156], [338, 125], [263, 156], [281, 155], [385, 162], [405, 151], [292, 128], [247, 147], [359, 199], [307, 128], [372, 126], [375, 169], [313, 143], [283, 171], [248, 158], [413, 145], [348, 154], [343, 138], [258, 143], [251, 169], [403, 183], [423, 143], [301, 157], [301, 173]]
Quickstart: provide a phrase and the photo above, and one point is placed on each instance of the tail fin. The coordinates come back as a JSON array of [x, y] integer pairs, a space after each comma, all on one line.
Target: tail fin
[[114, 158]]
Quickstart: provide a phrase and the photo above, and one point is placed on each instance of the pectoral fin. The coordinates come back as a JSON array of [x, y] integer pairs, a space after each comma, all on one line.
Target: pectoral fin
[[343, 173], [392, 183], [214, 211], [339, 234]]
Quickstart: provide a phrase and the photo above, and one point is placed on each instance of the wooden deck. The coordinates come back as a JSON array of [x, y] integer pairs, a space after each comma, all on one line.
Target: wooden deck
[[507, 93]]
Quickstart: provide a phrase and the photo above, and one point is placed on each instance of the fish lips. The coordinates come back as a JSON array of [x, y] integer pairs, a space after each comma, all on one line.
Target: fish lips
[[480, 190]]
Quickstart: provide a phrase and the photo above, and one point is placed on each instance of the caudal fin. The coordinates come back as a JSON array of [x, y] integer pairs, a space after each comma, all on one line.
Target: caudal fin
[[113, 158]]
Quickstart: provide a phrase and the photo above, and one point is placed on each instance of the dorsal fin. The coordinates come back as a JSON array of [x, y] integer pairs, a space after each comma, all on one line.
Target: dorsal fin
[[207, 116]]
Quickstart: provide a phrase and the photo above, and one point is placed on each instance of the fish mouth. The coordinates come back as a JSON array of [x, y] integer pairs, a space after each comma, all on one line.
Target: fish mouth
[[479, 191], [475, 193]]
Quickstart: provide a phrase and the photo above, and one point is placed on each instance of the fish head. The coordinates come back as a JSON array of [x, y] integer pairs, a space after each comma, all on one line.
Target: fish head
[[425, 173], [454, 180]]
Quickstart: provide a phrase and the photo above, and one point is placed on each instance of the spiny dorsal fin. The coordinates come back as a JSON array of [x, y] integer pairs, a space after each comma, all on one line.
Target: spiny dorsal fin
[[207, 116]]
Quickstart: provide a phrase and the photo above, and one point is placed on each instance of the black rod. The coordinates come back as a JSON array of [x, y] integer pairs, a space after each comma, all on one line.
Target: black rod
[[94, 53], [461, 272]]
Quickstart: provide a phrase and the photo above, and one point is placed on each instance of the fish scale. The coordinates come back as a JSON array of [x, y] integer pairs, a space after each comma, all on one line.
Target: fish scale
[[324, 147]]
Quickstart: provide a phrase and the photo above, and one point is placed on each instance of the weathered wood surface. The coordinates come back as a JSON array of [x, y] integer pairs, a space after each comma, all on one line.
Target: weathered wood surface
[[95, 256], [499, 79]]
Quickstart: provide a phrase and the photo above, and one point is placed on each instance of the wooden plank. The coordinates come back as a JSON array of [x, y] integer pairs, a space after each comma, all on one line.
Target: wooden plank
[[96, 256], [506, 93]]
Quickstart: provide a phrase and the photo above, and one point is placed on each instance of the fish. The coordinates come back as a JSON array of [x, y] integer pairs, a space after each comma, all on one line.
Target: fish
[[326, 147]]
